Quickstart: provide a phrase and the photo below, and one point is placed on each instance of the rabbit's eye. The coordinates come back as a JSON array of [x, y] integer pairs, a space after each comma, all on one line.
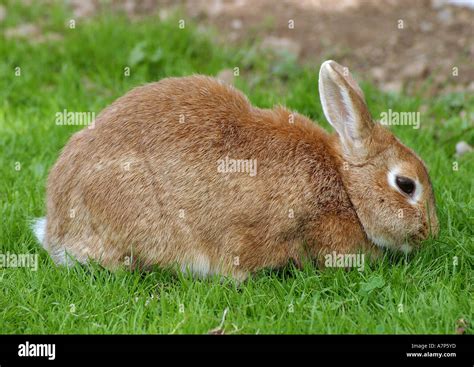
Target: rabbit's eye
[[405, 184]]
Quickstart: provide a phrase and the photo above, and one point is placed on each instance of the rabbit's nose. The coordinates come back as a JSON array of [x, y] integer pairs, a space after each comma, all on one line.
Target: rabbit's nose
[[429, 230], [432, 222], [419, 236], [434, 226]]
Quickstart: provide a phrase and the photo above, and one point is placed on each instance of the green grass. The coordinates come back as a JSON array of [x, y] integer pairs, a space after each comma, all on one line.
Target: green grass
[[424, 293]]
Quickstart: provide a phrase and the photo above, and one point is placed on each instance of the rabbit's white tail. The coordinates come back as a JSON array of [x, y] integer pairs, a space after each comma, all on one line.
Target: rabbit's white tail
[[39, 229], [58, 254]]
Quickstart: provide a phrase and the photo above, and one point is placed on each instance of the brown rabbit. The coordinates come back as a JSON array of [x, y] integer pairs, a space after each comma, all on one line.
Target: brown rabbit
[[187, 172]]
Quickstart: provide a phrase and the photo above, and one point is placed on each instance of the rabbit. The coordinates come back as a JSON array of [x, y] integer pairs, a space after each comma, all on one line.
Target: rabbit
[[186, 173]]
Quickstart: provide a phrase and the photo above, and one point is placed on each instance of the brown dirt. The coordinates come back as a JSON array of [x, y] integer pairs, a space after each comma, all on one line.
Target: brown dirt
[[366, 35]]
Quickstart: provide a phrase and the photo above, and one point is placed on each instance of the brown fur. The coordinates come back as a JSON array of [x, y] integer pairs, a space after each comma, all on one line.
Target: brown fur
[[171, 206]]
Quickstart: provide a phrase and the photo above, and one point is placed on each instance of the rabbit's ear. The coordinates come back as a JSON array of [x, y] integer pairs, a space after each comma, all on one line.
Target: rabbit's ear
[[344, 106]]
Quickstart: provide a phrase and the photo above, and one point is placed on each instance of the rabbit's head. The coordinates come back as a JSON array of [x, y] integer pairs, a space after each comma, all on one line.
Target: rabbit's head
[[387, 182]]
